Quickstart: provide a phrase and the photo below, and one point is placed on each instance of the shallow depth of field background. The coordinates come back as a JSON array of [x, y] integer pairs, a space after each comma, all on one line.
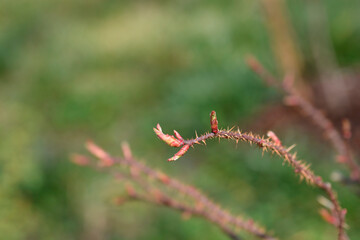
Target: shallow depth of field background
[[109, 71]]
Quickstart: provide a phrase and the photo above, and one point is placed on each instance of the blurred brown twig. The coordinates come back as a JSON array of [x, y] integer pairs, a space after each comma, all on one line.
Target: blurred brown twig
[[169, 192], [294, 99]]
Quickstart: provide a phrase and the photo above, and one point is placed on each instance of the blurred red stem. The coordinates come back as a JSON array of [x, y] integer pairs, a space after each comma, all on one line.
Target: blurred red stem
[[316, 115]]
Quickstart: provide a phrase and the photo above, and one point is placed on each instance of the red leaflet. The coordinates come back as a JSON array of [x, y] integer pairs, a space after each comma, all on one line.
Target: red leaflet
[[169, 139], [180, 153]]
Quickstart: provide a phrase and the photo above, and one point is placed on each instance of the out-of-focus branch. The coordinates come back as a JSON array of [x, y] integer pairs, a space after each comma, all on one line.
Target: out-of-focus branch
[[169, 192], [293, 98], [331, 78], [282, 36], [163, 200], [274, 145]]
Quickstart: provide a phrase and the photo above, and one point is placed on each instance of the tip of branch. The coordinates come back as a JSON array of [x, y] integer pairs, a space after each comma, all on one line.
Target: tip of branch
[[173, 158], [178, 136], [98, 152], [80, 160], [157, 130], [213, 123], [180, 153], [169, 139], [126, 150]]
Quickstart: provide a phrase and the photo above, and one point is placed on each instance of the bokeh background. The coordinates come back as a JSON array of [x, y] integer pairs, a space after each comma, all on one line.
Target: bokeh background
[[111, 70]]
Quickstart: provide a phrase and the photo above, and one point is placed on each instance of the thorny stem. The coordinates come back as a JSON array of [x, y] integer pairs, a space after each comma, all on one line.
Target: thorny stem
[[202, 206], [300, 168], [275, 146], [317, 116], [171, 203]]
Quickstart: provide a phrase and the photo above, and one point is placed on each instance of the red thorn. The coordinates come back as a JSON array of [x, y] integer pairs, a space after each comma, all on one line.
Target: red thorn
[[126, 150], [104, 157], [180, 153], [178, 135]]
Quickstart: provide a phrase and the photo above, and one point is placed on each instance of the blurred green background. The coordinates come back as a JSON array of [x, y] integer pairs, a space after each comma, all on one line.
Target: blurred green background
[[110, 71]]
